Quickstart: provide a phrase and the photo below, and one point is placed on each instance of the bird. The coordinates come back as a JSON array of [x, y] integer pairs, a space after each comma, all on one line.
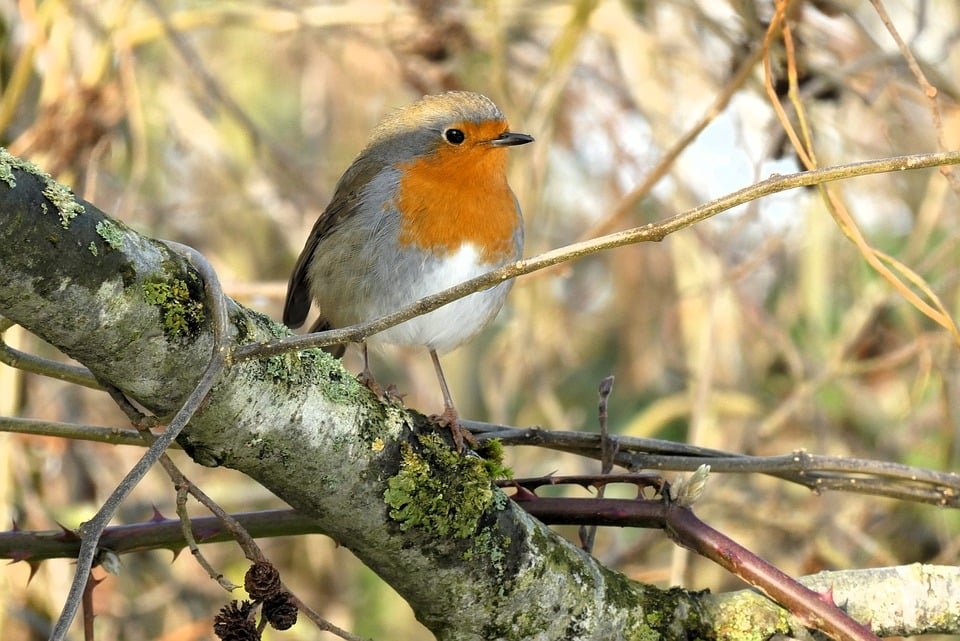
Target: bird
[[423, 207]]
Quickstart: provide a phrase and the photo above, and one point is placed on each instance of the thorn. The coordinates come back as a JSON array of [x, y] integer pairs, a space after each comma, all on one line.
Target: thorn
[[34, 566], [157, 516], [523, 494], [176, 554], [827, 596], [68, 534], [16, 526]]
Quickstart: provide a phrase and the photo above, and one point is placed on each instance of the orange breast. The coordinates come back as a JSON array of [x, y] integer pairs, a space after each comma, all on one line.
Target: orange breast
[[458, 195]]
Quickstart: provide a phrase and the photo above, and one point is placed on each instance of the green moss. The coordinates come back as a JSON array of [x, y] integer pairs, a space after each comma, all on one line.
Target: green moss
[[9, 162], [61, 196], [64, 200], [182, 315], [492, 546], [492, 453], [438, 490], [656, 619], [747, 617], [309, 367], [451, 496], [6, 169], [111, 233], [626, 596], [292, 368], [93, 248], [275, 329]]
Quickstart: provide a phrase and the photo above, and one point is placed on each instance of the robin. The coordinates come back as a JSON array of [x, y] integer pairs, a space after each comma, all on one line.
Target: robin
[[425, 206]]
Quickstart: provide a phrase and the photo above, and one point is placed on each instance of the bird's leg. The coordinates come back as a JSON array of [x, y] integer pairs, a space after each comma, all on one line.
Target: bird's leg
[[366, 376], [450, 419], [390, 394]]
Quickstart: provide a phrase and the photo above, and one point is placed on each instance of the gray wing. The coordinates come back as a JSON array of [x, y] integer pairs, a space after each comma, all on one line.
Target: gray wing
[[346, 199]]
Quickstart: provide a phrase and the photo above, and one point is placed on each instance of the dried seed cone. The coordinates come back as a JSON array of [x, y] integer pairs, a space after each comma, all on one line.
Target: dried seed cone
[[280, 611], [233, 623], [262, 581]]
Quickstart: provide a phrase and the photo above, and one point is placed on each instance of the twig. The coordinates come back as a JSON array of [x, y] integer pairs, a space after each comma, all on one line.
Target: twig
[[183, 491], [883, 264], [929, 91], [143, 424], [92, 530], [608, 450], [608, 446], [811, 470], [88, 613], [38, 545], [74, 431], [236, 530], [254, 553], [44, 366], [322, 623], [252, 550], [914, 483], [645, 233], [230, 524], [639, 479], [776, 27], [213, 291], [816, 472], [186, 487], [658, 171]]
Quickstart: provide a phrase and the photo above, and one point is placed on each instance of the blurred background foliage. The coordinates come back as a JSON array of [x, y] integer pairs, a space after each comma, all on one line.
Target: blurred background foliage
[[224, 125]]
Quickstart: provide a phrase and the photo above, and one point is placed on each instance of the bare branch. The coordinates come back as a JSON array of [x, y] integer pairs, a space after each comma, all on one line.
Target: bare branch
[[647, 233]]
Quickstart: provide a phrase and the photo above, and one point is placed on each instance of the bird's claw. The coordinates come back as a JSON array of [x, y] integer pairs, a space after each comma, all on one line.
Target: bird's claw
[[449, 420]]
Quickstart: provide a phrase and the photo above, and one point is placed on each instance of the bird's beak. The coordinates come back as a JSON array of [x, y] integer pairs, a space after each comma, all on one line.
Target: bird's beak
[[510, 139]]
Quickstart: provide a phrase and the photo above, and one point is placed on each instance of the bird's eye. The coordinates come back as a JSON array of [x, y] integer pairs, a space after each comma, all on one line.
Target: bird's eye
[[454, 136]]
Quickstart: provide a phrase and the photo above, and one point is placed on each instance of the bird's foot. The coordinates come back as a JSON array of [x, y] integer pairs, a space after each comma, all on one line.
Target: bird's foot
[[389, 394], [393, 395], [451, 421]]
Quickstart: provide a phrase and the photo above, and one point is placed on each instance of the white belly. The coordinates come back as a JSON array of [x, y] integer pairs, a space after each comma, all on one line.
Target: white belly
[[451, 325]]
